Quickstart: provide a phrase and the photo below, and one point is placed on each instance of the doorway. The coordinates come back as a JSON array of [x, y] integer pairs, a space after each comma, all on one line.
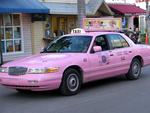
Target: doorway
[[136, 22]]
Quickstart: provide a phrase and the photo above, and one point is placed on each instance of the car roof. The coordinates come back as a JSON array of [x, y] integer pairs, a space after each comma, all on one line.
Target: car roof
[[94, 34]]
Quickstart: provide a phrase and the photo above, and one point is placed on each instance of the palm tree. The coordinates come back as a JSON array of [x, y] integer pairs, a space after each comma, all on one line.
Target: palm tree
[[81, 12]]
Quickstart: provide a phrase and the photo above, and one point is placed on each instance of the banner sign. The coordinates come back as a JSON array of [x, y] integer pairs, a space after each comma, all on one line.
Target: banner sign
[[102, 24]]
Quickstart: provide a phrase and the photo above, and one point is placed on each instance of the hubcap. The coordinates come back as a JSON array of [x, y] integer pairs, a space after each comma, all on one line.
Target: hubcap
[[136, 69], [72, 82]]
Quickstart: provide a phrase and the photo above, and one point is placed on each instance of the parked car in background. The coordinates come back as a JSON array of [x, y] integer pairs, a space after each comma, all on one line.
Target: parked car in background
[[74, 59]]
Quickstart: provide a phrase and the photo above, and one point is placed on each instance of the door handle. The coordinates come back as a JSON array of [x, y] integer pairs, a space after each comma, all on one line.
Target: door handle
[[123, 58], [111, 54], [107, 63], [130, 51]]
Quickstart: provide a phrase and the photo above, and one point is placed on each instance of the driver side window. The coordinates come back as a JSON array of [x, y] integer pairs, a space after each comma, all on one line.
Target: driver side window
[[102, 41]]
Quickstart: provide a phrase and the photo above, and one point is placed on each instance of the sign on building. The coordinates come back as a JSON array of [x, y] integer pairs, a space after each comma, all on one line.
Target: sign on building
[[102, 24]]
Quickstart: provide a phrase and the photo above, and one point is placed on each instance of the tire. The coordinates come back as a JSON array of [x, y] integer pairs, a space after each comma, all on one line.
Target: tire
[[135, 70], [71, 82]]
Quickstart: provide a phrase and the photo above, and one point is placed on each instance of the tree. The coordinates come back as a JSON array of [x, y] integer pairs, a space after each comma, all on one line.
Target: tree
[[81, 12]]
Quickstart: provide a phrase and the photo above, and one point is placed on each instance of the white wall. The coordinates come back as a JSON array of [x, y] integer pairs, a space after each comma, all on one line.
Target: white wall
[[142, 23], [130, 22], [38, 30]]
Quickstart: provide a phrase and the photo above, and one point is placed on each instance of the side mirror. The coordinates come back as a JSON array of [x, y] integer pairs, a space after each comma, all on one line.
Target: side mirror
[[43, 50], [97, 48]]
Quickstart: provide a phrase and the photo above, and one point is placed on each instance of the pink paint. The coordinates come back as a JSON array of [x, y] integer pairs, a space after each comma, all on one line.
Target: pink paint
[[99, 65]]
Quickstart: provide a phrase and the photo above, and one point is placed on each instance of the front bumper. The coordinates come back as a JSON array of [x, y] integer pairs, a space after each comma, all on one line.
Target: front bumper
[[40, 82]]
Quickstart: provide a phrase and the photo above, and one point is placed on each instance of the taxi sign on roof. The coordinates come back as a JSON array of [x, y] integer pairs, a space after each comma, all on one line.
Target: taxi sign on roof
[[77, 30], [102, 24]]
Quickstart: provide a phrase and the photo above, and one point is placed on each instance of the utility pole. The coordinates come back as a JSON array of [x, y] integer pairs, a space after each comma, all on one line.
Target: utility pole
[[81, 12], [147, 21], [147, 14], [147, 18], [1, 53]]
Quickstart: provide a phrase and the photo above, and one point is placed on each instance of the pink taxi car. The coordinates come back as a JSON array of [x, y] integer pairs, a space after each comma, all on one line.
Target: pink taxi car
[[74, 59]]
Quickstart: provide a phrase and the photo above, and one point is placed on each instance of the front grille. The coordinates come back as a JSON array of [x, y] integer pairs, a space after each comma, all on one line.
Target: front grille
[[17, 70]]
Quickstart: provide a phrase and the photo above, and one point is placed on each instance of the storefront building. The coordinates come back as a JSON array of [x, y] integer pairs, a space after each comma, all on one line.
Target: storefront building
[[63, 18], [15, 27], [131, 15], [63, 15]]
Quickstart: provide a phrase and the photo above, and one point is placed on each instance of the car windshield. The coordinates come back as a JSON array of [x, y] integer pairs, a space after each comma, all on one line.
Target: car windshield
[[69, 44]]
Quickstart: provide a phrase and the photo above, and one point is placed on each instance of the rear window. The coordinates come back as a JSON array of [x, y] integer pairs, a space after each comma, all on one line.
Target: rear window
[[117, 41]]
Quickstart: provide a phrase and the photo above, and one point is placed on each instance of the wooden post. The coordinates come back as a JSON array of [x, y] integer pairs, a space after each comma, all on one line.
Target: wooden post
[[81, 12], [147, 18]]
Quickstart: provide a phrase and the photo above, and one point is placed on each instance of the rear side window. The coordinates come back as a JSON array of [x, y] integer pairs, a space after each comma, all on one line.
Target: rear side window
[[117, 41], [123, 41]]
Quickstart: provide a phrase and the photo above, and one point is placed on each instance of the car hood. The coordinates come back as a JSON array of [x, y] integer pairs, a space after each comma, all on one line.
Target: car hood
[[41, 60]]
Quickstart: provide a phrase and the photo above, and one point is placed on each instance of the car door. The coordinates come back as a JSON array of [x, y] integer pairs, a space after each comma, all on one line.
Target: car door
[[128, 51], [102, 63], [121, 53]]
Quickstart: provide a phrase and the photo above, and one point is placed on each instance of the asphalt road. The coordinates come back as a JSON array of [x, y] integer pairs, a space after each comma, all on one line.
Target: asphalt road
[[115, 95]]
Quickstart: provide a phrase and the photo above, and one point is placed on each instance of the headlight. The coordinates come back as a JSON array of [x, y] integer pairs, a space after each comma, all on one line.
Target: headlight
[[4, 69], [42, 71]]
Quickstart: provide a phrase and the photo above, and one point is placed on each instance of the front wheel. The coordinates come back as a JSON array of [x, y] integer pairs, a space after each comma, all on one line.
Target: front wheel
[[71, 82], [135, 70]]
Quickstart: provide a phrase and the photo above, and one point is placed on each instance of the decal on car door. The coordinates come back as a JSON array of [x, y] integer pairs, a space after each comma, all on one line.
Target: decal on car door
[[104, 58]]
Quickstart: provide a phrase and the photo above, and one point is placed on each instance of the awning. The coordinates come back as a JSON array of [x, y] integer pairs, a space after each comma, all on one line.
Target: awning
[[22, 6], [126, 9]]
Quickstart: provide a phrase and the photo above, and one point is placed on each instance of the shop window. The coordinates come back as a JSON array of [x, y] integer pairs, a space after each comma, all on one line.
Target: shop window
[[1, 33], [17, 45], [1, 20], [10, 33], [62, 23], [9, 46], [16, 20], [7, 19], [17, 32]]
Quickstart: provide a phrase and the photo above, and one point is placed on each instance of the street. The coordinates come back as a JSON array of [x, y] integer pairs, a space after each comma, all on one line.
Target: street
[[115, 95]]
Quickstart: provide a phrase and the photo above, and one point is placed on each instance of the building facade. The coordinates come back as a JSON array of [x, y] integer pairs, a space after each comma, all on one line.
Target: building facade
[[63, 15], [16, 27], [130, 14], [15, 35]]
